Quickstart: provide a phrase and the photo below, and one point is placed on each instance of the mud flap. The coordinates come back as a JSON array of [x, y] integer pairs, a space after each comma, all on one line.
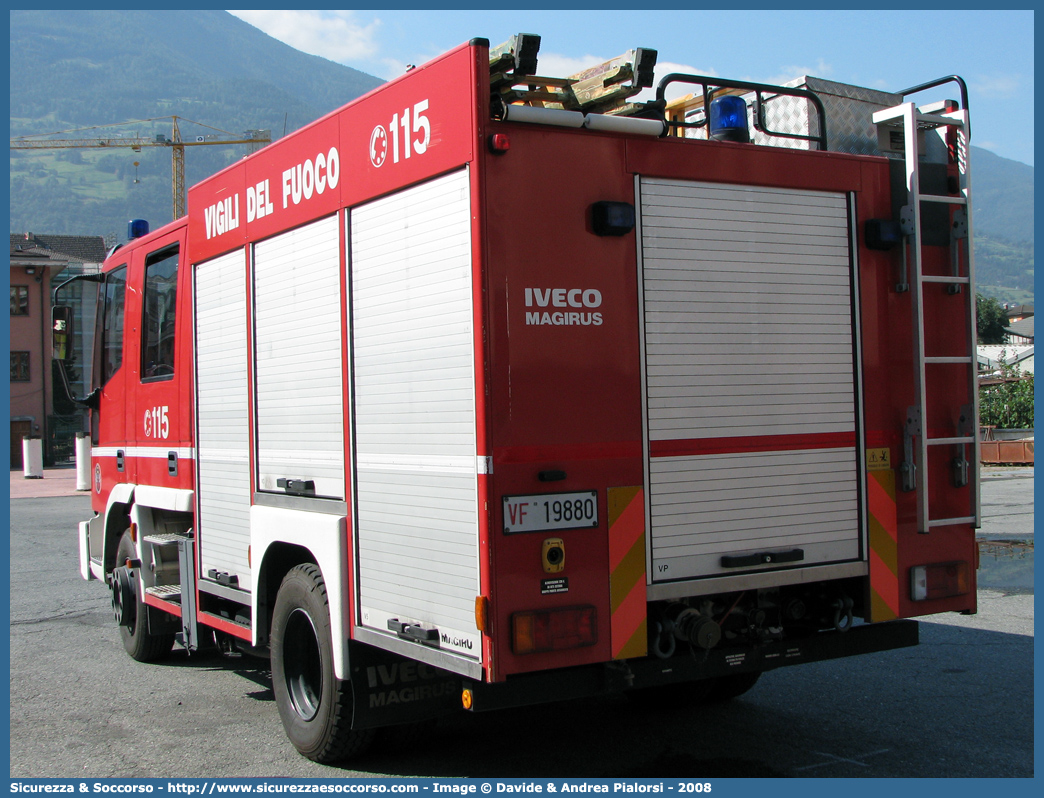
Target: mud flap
[[389, 690]]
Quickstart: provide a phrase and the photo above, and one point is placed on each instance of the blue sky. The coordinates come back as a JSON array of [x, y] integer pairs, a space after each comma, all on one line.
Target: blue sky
[[889, 49]]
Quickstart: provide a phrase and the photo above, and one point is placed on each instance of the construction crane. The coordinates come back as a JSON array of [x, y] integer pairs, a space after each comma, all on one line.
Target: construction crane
[[256, 138]]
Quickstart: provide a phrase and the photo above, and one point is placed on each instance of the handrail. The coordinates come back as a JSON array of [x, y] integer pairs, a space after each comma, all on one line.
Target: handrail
[[759, 103], [939, 82]]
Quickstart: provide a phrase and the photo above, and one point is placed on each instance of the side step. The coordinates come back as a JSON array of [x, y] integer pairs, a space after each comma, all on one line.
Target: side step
[[171, 593]]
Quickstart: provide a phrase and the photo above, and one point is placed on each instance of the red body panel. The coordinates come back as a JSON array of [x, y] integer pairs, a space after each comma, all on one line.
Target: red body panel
[[336, 152]]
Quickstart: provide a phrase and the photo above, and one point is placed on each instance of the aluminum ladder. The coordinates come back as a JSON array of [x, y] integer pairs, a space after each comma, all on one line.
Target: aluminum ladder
[[912, 121]]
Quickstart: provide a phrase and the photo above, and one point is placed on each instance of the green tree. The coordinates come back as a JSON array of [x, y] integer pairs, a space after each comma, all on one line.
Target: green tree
[[991, 320], [1008, 405]]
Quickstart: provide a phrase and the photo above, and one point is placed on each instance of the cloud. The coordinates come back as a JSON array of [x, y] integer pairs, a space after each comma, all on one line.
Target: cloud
[[675, 90], [821, 70], [336, 35], [553, 65], [996, 86]]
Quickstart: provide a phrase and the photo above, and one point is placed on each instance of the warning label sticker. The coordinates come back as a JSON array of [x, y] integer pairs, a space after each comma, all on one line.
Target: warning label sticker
[[560, 585]]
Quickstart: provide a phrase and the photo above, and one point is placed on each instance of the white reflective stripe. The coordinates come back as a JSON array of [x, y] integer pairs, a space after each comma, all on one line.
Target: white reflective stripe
[[157, 452], [214, 454], [460, 464]]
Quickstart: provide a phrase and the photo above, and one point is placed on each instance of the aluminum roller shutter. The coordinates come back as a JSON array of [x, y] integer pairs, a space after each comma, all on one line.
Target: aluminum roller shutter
[[222, 416], [414, 401], [749, 369], [299, 368]]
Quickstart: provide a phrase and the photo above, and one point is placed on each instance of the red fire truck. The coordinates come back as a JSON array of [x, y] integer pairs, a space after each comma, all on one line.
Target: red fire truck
[[490, 389]]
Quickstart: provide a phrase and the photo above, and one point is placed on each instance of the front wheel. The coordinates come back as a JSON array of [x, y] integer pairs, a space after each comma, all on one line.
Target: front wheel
[[315, 706], [131, 611]]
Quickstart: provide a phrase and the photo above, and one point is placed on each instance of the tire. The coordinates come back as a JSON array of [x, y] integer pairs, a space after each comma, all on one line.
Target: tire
[[137, 641], [315, 707]]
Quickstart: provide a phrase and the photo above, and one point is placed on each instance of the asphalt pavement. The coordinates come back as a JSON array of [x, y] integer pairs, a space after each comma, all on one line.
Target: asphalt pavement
[[958, 705]]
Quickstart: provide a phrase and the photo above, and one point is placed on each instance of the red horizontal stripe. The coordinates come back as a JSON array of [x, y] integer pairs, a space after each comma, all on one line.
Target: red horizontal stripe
[[223, 625], [568, 451], [754, 443]]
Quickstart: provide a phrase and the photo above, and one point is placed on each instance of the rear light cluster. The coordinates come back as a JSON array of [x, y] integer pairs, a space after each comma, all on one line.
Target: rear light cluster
[[939, 580], [554, 630]]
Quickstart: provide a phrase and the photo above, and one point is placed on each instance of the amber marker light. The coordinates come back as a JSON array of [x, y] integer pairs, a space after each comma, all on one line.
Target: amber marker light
[[481, 613], [939, 580], [467, 699]]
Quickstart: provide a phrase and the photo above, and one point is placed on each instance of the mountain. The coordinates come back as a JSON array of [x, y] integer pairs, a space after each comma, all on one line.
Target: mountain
[[1002, 214], [1003, 191], [80, 69]]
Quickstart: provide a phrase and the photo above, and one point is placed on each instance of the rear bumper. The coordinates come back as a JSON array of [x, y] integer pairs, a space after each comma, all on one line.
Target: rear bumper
[[592, 680]]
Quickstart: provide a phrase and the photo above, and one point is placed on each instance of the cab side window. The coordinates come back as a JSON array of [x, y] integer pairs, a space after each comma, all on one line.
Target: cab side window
[[157, 329], [112, 322]]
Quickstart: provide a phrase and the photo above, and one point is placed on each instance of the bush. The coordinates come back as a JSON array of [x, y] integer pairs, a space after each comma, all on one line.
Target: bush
[[1008, 405]]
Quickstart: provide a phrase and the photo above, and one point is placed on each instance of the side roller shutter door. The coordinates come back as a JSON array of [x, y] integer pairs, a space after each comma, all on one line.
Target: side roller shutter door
[[223, 432], [299, 371], [414, 401]]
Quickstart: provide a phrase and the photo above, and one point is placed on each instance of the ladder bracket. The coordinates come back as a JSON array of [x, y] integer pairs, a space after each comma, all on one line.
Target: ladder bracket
[[966, 426], [958, 234], [908, 220], [908, 468]]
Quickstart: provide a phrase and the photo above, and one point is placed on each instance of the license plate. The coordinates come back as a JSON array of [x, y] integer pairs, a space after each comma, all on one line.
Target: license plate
[[550, 511]]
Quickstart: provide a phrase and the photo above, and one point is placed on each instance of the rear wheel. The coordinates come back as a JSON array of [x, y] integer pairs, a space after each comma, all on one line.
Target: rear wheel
[[315, 706], [131, 611]]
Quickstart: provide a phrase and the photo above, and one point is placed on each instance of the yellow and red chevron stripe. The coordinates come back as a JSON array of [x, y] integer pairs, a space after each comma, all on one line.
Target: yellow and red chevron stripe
[[884, 559], [627, 571]]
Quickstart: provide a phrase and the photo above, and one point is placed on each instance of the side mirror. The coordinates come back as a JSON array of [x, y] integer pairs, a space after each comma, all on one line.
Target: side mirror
[[61, 332]]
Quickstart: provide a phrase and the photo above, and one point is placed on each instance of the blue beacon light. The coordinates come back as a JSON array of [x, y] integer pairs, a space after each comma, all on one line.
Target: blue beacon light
[[728, 120], [136, 228]]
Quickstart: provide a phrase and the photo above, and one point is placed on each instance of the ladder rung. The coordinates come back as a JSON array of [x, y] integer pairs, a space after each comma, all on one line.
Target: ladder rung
[[951, 521], [934, 278], [945, 360], [945, 198], [949, 441]]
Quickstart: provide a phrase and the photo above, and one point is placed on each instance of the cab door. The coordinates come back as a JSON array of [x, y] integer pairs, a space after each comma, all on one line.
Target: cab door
[[159, 417], [108, 419]]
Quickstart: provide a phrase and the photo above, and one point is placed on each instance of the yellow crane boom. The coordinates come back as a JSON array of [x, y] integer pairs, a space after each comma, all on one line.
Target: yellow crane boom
[[175, 142]]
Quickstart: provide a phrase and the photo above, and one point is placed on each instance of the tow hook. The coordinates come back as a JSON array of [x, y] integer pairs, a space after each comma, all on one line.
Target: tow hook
[[124, 596], [663, 644], [842, 613]]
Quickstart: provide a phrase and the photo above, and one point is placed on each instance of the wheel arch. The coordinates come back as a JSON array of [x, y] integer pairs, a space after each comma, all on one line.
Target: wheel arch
[[281, 538], [279, 558], [117, 520]]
